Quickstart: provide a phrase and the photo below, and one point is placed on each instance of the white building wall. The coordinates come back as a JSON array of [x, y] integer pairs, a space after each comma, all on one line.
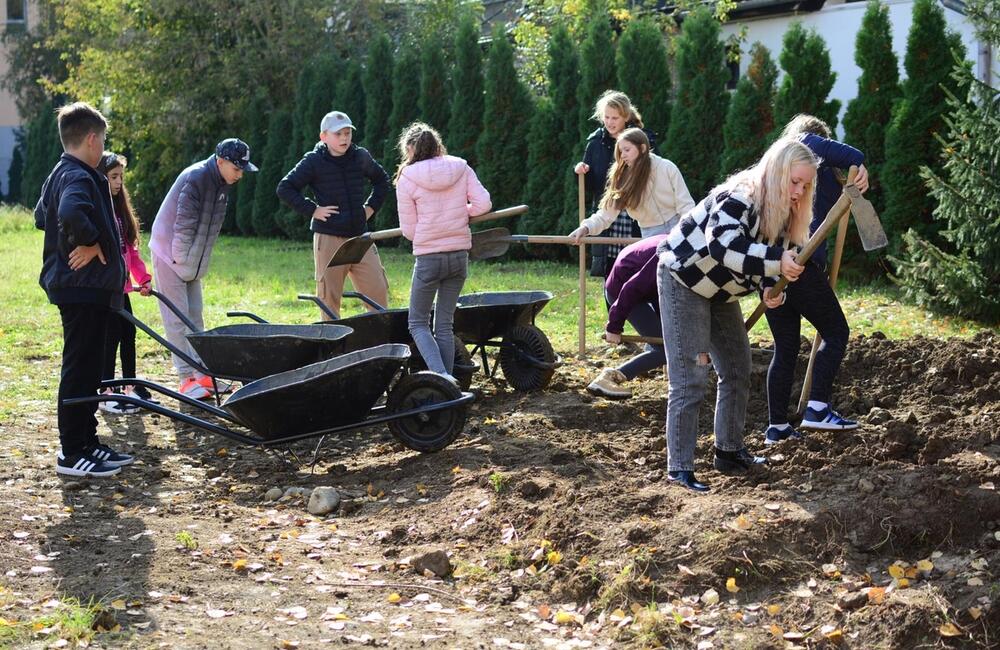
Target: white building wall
[[838, 24]]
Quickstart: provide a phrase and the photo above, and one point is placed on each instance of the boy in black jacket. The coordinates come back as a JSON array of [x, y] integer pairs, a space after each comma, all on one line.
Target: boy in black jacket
[[83, 272], [336, 170]]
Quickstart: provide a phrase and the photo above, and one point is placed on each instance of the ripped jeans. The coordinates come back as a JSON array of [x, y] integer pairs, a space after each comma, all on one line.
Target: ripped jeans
[[699, 333]]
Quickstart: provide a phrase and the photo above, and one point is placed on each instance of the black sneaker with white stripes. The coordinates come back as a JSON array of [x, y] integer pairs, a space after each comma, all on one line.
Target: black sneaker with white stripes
[[108, 455], [84, 465]]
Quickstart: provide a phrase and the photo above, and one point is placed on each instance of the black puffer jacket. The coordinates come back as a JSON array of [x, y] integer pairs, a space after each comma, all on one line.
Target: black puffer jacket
[[75, 209], [339, 181]]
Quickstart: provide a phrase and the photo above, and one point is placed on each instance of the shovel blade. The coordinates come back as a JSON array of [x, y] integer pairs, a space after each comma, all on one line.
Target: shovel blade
[[487, 244], [351, 251], [869, 226]]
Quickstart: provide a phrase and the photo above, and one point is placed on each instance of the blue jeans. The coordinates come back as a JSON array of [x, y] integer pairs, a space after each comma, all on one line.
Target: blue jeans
[[698, 333], [441, 274]]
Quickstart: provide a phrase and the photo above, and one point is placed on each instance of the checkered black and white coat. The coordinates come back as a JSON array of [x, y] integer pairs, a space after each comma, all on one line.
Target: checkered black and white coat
[[716, 249]]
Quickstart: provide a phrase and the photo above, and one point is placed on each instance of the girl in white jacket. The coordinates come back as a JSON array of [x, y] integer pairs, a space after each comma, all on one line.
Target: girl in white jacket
[[651, 188]]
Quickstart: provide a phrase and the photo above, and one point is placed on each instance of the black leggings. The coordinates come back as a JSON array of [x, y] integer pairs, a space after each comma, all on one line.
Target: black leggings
[[810, 297], [120, 332]]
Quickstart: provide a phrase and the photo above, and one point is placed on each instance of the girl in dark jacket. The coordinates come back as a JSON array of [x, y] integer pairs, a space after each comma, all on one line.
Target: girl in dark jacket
[[615, 112]]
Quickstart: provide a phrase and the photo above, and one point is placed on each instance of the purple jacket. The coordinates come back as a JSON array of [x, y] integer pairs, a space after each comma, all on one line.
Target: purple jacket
[[632, 281]]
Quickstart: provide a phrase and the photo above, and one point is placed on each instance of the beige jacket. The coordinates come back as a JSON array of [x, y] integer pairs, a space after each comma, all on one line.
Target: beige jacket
[[666, 196]]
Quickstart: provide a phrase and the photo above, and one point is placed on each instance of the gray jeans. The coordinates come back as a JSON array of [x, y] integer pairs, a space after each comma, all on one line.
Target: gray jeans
[[699, 332], [187, 297], [442, 274]]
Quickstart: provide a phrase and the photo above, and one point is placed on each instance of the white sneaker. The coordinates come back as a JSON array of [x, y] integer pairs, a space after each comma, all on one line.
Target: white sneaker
[[608, 384], [118, 408]]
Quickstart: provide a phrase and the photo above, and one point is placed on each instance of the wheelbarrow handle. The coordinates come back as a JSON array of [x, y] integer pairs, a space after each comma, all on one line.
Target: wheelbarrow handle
[[365, 299], [323, 307], [496, 214], [172, 307], [164, 342], [246, 314]]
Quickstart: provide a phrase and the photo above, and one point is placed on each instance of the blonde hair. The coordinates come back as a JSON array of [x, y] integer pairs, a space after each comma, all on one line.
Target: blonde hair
[[619, 101], [766, 184], [627, 183], [803, 123], [426, 143]]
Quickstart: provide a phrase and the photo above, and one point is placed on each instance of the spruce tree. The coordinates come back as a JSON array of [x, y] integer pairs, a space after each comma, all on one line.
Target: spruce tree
[[351, 99], [808, 78], [272, 170], [435, 87], [693, 141], [405, 88], [644, 74], [962, 274], [597, 67], [869, 113], [910, 142], [750, 118], [503, 148], [378, 94], [467, 93], [301, 140]]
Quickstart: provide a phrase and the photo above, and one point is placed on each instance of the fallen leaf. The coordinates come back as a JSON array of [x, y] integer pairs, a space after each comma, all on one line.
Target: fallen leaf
[[975, 613], [553, 557], [831, 571], [394, 598], [731, 586], [240, 565], [297, 612], [949, 629], [773, 507], [876, 595], [289, 645], [803, 593], [617, 615], [566, 618], [710, 597], [544, 612], [975, 582], [925, 565], [896, 571], [218, 613], [222, 452], [773, 609], [775, 630], [741, 523], [903, 583], [685, 570], [456, 469], [118, 604]]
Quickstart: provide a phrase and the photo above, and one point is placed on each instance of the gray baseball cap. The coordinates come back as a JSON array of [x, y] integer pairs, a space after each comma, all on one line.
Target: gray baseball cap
[[335, 121]]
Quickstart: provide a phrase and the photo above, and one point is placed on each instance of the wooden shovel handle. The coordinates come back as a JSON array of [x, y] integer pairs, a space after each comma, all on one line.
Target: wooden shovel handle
[[379, 235]]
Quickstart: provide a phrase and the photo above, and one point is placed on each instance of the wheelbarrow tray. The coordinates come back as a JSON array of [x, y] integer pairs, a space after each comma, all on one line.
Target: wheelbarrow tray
[[321, 396], [249, 351], [481, 317]]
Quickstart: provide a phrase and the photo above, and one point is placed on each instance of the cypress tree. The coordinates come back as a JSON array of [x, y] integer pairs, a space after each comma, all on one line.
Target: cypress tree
[[405, 87], [320, 97], [41, 152], [272, 170], [16, 173], [255, 132], [869, 114], [750, 118], [910, 142], [808, 78], [643, 72], [503, 150], [597, 67], [378, 94], [962, 275], [467, 93], [693, 140], [351, 99], [435, 87], [301, 140]]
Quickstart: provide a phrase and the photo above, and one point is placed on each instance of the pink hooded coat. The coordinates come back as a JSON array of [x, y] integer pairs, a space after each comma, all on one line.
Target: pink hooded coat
[[436, 197]]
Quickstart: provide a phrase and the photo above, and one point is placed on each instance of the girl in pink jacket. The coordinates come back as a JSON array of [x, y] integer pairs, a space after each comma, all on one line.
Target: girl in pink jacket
[[120, 331], [436, 194]]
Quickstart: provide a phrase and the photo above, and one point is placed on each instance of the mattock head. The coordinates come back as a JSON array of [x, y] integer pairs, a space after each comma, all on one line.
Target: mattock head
[[869, 225]]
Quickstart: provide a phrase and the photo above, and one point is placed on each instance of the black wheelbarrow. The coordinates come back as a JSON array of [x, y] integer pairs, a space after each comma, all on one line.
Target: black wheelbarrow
[[248, 351], [424, 411], [506, 320], [378, 327]]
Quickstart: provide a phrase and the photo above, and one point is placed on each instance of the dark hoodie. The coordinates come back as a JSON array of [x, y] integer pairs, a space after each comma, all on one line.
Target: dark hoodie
[[75, 209], [339, 181]]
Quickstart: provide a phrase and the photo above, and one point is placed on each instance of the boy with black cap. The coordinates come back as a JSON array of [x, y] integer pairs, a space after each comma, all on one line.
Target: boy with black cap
[[336, 170], [184, 232], [82, 273]]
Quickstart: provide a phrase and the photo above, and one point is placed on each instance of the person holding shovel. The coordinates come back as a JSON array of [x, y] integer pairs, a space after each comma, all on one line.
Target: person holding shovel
[[337, 170], [742, 233], [812, 298]]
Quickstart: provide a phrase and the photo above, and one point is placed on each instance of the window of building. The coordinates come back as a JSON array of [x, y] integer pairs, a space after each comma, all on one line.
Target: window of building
[[733, 65], [17, 11]]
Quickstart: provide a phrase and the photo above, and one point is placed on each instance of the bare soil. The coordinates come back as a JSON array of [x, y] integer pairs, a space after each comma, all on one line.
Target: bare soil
[[555, 510]]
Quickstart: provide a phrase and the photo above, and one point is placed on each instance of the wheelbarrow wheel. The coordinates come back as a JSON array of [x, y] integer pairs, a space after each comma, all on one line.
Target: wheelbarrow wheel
[[522, 345], [426, 432], [465, 366]]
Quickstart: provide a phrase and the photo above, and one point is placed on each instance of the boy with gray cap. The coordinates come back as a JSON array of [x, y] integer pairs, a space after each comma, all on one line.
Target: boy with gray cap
[[183, 234], [336, 171]]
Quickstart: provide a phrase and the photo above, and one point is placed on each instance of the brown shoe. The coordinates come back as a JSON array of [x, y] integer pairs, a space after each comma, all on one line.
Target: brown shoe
[[609, 384]]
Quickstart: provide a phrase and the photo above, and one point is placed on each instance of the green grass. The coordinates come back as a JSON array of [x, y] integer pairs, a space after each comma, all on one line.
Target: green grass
[[69, 620], [264, 276]]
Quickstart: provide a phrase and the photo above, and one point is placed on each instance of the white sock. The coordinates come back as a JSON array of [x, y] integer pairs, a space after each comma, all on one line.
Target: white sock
[[781, 427], [817, 406]]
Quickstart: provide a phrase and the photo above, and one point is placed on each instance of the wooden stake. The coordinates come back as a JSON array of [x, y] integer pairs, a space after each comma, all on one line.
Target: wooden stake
[[582, 332]]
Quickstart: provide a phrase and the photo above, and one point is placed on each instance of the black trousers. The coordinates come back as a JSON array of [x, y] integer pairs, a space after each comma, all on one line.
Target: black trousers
[[84, 332], [812, 298], [121, 332]]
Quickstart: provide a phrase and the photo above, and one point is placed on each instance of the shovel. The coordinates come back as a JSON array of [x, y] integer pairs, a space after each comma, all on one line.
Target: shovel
[[353, 250], [495, 242]]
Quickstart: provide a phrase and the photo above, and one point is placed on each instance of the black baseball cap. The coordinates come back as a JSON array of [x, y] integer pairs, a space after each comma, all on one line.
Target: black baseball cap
[[237, 152]]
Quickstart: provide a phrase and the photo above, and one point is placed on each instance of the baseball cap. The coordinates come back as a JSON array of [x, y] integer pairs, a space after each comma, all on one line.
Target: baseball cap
[[335, 121], [237, 152]]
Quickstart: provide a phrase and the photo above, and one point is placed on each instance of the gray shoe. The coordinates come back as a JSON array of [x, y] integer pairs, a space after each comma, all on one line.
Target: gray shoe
[[609, 384]]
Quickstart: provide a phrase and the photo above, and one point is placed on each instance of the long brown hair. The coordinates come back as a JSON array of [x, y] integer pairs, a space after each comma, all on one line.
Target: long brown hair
[[121, 201], [627, 183], [426, 144]]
